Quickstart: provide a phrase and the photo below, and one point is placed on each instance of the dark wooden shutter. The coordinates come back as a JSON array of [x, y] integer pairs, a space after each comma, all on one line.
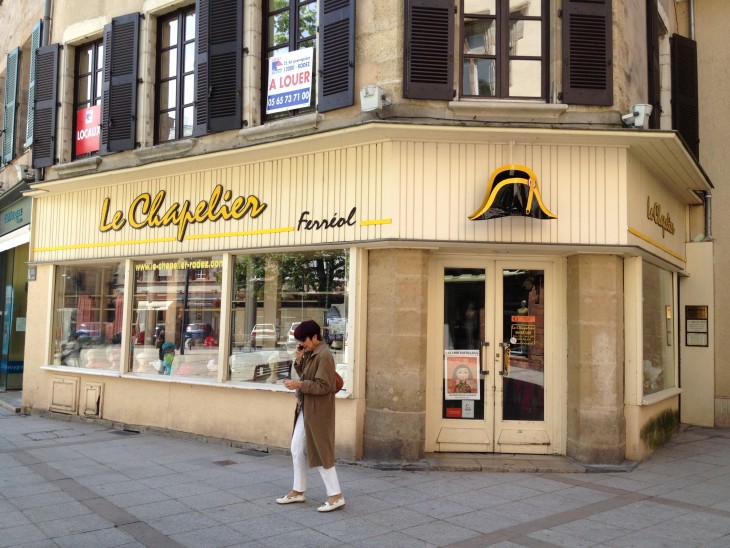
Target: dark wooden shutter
[[46, 103], [587, 52], [119, 87], [219, 65], [11, 105], [336, 83], [685, 100], [35, 43], [428, 64]]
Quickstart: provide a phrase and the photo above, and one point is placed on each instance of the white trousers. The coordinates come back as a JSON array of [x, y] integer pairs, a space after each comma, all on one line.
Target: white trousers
[[299, 457]]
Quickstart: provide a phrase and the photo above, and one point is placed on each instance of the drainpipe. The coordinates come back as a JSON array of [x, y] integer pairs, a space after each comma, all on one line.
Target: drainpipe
[[45, 38]]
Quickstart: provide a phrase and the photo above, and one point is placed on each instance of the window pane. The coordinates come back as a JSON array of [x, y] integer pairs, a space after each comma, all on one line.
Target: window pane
[[658, 364], [188, 113], [479, 77], [525, 7], [525, 38], [307, 20], [480, 7], [189, 26], [168, 33], [188, 89], [182, 308], [272, 293], [100, 57], [479, 37], [279, 29], [166, 126], [525, 78], [189, 59], [168, 94], [86, 57], [88, 306], [168, 64], [83, 90], [275, 5]]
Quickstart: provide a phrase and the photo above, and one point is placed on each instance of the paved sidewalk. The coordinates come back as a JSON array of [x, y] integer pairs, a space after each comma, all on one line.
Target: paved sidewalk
[[76, 484]]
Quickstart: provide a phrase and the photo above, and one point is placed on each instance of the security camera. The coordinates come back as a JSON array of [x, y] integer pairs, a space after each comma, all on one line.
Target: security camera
[[639, 116]]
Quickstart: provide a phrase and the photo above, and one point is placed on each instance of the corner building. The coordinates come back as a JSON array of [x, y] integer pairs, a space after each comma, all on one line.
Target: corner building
[[493, 246]]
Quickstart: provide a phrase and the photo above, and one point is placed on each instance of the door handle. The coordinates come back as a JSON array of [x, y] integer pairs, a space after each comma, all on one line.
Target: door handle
[[482, 346], [506, 354]]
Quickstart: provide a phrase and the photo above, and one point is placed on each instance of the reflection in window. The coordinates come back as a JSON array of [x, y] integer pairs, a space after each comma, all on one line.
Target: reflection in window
[[87, 94], [503, 50], [291, 26], [272, 294], [177, 301], [658, 361], [87, 325], [175, 76]]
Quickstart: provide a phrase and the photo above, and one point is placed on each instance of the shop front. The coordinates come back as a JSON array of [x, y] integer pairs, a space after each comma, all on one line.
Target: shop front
[[474, 285], [14, 237]]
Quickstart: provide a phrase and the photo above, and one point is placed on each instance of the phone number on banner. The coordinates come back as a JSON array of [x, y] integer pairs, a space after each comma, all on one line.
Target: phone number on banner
[[287, 100]]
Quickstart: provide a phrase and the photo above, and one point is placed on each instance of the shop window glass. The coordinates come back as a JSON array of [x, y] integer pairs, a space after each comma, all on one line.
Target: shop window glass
[[658, 317], [272, 294], [87, 327], [181, 307]]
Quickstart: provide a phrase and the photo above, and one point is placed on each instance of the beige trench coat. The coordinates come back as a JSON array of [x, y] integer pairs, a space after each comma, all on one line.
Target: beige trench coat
[[317, 373]]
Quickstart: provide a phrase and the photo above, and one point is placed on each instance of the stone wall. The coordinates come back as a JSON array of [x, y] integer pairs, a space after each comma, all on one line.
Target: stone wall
[[396, 355], [596, 424]]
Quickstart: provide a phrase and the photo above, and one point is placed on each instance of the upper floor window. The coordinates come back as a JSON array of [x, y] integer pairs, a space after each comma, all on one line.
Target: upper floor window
[[501, 50], [291, 26], [504, 48], [176, 76], [87, 98]]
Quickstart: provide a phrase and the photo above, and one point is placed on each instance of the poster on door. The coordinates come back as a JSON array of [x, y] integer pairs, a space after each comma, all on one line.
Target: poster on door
[[461, 375]]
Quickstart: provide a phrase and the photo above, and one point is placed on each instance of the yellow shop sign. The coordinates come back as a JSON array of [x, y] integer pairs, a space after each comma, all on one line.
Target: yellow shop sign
[[146, 211]]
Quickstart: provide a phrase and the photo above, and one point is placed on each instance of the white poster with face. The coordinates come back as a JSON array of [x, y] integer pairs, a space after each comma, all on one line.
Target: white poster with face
[[461, 375]]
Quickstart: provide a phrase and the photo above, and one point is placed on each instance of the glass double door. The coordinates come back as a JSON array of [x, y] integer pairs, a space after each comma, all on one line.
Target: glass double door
[[490, 371]]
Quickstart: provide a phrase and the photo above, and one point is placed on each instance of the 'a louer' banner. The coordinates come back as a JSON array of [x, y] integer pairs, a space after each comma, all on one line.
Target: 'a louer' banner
[[290, 81]]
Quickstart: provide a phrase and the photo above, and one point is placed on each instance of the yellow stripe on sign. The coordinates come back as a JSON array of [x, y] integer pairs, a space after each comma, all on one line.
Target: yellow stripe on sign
[[657, 244], [376, 222], [162, 240]]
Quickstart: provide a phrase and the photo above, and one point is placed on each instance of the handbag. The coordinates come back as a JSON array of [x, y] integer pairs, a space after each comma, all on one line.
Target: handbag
[[339, 382]]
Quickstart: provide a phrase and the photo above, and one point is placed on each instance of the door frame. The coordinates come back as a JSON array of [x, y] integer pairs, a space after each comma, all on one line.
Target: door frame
[[454, 435]]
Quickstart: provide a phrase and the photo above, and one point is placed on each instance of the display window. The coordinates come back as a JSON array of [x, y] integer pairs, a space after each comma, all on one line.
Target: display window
[[272, 294], [88, 310], [659, 365], [176, 317]]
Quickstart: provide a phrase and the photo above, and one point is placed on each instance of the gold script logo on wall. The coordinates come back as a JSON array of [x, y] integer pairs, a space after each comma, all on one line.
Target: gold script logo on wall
[[513, 191], [654, 213], [146, 211]]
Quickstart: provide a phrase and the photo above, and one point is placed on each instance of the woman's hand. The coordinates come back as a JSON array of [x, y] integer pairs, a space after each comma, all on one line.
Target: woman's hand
[[292, 384]]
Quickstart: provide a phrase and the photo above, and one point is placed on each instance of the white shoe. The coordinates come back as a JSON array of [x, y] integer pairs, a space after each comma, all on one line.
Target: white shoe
[[288, 499], [329, 506]]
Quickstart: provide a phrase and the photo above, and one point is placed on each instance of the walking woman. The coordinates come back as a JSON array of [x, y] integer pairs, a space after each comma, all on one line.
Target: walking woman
[[313, 440]]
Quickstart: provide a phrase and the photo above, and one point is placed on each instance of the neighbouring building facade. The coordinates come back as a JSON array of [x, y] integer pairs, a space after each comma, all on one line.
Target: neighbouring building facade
[[494, 208]]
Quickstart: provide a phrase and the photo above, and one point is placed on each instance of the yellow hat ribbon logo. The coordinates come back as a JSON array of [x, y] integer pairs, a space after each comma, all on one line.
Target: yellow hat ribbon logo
[[512, 191]]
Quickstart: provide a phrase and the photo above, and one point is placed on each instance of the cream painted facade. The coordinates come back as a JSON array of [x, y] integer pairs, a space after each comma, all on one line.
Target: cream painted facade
[[411, 198]]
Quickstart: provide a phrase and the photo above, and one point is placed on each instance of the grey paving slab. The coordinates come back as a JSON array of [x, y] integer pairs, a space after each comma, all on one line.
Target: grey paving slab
[[75, 484]]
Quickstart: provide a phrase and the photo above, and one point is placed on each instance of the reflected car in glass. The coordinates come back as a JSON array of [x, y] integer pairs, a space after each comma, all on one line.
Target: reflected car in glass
[[263, 334]]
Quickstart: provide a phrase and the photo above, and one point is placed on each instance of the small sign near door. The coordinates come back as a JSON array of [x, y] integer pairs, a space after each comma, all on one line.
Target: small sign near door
[[461, 374]]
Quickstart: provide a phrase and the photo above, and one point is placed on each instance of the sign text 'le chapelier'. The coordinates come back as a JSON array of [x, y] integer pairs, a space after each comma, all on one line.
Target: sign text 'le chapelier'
[[146, 211]]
